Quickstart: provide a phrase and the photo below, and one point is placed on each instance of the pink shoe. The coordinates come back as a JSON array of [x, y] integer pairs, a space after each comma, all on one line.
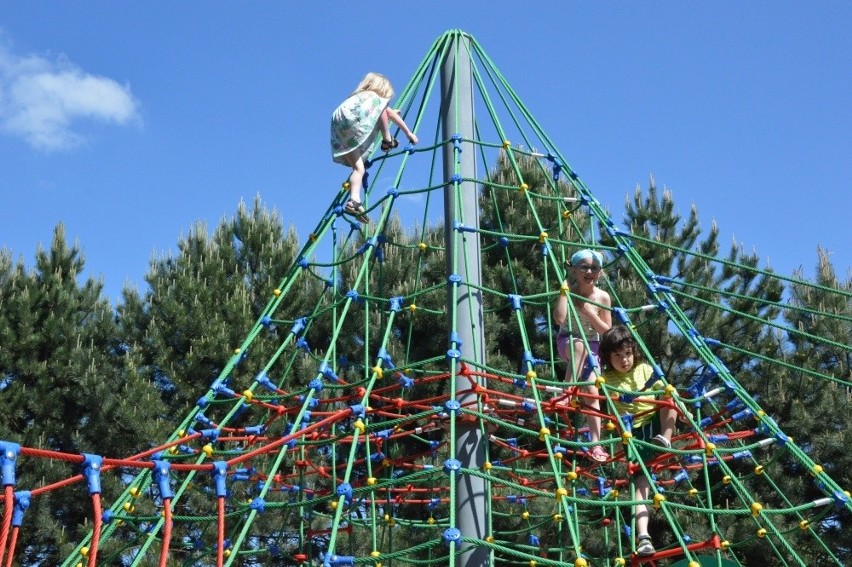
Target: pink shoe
[[599, 454]]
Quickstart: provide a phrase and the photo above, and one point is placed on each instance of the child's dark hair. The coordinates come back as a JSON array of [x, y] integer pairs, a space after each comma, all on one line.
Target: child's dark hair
[[615, 339]]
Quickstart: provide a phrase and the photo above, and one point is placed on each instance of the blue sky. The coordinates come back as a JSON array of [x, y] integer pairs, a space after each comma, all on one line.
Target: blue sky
[[130, 121]]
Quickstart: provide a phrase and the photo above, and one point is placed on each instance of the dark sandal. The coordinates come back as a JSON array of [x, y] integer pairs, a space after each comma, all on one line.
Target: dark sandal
[[355, 209], [388, 145]]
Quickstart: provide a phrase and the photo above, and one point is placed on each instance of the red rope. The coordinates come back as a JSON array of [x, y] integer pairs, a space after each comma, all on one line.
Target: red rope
[[167, 532], [12, 546], [96, 529], [8, 503], [220, 542]]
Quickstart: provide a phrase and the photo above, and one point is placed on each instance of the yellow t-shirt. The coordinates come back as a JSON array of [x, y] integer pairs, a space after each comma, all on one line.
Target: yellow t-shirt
[[633, 381]]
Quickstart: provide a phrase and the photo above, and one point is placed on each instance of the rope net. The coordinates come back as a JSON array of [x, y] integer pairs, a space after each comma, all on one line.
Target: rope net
[[331, 436]]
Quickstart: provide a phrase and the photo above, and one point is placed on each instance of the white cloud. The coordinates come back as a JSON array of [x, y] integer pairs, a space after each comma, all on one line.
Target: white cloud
[[42, 100]]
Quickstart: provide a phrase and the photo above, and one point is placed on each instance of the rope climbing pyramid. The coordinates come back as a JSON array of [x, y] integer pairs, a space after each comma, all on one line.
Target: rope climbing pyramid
[[411, 408]]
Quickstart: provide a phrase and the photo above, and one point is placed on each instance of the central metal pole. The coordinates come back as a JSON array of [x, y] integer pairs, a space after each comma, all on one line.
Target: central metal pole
[[463, 259]]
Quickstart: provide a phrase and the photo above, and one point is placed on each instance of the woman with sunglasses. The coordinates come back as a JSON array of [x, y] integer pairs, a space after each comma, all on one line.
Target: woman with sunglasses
[[593, 318]]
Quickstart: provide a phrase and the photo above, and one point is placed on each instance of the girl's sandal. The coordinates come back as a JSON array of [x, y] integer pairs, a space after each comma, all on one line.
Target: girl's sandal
[[355, 209], [388, 145], [599, 454]]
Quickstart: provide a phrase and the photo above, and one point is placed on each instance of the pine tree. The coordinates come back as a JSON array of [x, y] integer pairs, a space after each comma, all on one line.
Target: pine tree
[[66, 387], [200, 303]]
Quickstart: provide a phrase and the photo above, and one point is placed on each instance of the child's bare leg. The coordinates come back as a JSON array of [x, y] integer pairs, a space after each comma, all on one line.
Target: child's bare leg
[[356, 178], [668, 416], [640, 511], [594, 420]]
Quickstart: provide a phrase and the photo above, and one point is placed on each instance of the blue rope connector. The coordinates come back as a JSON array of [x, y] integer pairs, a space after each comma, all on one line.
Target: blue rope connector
[[621, 315], [22, 502], [395, 304], [451, 465], [264, 381], [338, 560], [452, 406], [457, 178], [161, 477], [92, 471], [454, 279], [515, 300], [393, 192], [405, 381], [503, 241], [298, 325], [455, 338], [303, 263], [357, 410], [316, 384], [451, 535], [453, 354], [258, 504], [534, 540], [457, 143], [345, 489]]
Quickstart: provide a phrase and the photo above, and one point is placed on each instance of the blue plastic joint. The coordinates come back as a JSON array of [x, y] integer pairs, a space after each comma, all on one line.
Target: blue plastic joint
[[8, 458], [92, 471], [161, 477]]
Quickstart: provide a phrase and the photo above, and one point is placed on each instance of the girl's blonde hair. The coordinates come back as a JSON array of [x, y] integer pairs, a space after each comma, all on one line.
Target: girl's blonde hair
[[377, 83]]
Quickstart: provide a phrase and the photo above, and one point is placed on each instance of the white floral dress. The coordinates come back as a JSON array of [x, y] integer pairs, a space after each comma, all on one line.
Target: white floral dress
[[354, 125]]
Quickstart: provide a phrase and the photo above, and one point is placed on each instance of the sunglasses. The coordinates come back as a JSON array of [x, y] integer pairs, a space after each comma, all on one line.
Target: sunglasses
[[588, 268]]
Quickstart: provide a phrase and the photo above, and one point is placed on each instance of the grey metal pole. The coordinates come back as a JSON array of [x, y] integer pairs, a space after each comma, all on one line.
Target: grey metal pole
[[457, 119]]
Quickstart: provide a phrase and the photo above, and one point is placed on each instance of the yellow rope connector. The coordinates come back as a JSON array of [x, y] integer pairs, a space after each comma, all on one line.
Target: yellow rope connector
[[507, 144], [312, 237], [542, 433], [557, 518], [490, 539], [761, 532], [542, 237], [626, 436], [84, 551], [377, 370], [694, 564], [359, 425], [600, 381], [412, 308], [523, 188], [804, 524], [207, 449], [817, 469], [572, 475], [375, 554], [709, 448], [620, 561], [610, 426], [525, 515], [580, 562], [248, 395], [345, 185], [726, 479], [693, 492], [487, 465], [670, 390], [758, 470], [371, 481], [564, 289], [531, 375], [236, 351], [557, 456], [560, 492], [725, 544], [756, 507], [134, 492], [423, 246], [276, 292], [566, 214], [658, 500]]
